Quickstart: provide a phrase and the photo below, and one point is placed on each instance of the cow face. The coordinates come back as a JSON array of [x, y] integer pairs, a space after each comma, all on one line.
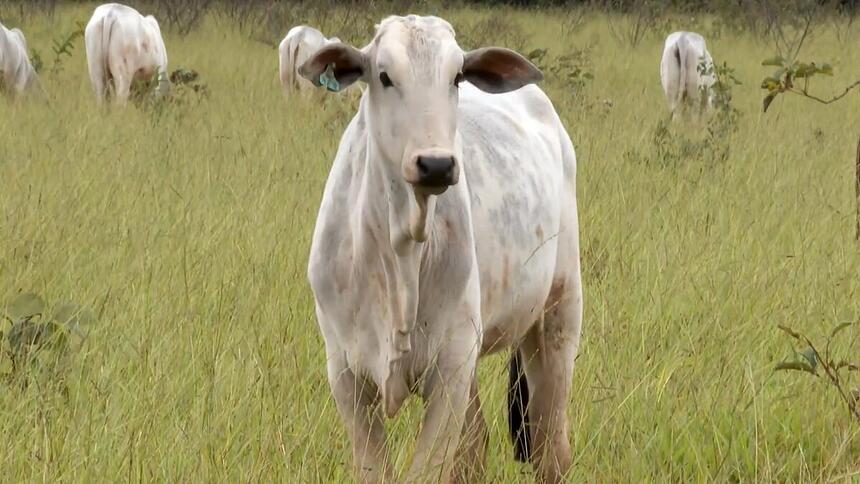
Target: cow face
[[413, 69]]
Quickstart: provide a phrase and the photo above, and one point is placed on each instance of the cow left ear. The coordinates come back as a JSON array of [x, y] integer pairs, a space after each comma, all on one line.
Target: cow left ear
[[497, 70], [335, 66]]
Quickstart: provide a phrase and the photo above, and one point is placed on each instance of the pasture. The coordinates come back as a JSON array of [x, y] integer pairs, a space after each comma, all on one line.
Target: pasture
[[186, 228]]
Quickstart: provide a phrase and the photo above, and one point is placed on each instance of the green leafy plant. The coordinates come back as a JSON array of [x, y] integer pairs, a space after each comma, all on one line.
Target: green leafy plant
[[725, 80], [36, 61], [38, 338], [821, 363], [185, 84], [793, 77], [64, 45], [573, 69]]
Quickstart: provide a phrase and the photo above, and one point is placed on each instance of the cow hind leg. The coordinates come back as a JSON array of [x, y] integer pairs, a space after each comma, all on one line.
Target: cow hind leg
[[548, 352], [123, 90], [99, 80]]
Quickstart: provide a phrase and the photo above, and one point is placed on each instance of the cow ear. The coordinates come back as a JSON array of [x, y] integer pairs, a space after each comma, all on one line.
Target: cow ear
[[335, 66], [497, 70]]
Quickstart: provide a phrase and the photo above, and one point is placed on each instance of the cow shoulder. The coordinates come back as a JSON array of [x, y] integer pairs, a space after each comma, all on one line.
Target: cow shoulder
[[331, 250]]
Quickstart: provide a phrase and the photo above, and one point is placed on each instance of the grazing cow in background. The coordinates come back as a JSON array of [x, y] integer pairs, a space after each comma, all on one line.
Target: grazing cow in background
[[447, 231], [16, 72], [687, 89], [300, 43], [123, 46]]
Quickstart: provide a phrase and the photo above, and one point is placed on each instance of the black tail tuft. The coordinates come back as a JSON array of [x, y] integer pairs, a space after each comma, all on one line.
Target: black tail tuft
[[518, 417]]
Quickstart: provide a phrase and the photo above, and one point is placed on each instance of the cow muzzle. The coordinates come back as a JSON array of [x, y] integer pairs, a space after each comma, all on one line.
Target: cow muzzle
[[432, 172]]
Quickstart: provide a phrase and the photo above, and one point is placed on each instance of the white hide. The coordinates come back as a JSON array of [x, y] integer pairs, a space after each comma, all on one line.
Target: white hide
[[410, 287], [300, 43], [16, 72], [123, 46], [683, 83]]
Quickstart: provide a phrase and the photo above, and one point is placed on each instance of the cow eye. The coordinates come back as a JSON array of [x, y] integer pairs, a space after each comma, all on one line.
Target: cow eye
[[385, 80], [458, 79]]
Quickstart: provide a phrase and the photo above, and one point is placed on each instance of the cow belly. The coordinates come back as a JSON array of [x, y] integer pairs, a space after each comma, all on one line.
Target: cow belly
[[514, 290], [516, 227]]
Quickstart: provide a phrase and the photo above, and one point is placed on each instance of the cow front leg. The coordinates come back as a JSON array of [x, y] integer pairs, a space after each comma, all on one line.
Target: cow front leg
[[471, 456], [446, 391], [357, 403]]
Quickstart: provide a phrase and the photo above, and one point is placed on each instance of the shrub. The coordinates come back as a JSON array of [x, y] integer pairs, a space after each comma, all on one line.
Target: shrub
[[40, 341]]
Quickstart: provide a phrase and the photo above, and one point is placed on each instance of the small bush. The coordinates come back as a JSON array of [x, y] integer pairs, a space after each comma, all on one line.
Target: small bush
[[39, 341], [840, 373], [572, 70]]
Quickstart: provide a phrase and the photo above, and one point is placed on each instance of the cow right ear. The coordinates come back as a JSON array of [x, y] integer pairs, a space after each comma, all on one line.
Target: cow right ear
[[335, 66]]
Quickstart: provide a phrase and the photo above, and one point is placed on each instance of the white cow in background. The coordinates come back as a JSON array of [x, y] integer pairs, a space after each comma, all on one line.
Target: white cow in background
[[298, 46], [688, 91], [448, 230], [123, 46], [16, 72]]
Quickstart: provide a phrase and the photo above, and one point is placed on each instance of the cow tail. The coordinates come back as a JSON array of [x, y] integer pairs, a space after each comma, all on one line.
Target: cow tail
[[681, 52], [107, 27], [294, 55], [518, 417]]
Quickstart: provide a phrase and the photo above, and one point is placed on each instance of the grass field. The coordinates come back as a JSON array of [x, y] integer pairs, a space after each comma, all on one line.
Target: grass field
[[187, 230]]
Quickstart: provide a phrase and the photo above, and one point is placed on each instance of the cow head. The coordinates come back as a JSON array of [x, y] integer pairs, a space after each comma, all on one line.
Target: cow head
[[413, 69]]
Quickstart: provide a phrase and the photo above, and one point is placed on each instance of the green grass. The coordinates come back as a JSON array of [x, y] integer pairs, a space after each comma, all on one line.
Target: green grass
[[188, 229]]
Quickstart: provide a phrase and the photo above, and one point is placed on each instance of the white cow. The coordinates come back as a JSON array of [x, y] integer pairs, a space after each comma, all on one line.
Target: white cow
[[297, 47], [687, 89], [16, 72], [123, 46], [448, 230]]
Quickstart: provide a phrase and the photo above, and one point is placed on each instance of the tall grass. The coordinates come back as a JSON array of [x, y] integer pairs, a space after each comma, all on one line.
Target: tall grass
[[187, 230]]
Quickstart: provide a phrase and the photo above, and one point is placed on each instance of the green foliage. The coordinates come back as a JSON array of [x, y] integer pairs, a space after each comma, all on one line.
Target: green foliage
[[64, 45], [722, 87], [785, 78], [40, 340], [181, 88], [839, 372], [572, 70], [187, 86], [36, 61], [725, 118]]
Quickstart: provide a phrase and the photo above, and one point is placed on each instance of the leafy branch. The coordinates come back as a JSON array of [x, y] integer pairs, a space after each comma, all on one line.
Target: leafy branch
[[793, 77], [63, 46], [785, 79], [821, 364]]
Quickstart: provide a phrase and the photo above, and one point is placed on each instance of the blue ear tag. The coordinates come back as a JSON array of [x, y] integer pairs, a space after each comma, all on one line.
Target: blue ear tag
[[328, 79]]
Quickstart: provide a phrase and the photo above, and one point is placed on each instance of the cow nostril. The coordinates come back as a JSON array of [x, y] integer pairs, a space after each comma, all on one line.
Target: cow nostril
[[422, 166]]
